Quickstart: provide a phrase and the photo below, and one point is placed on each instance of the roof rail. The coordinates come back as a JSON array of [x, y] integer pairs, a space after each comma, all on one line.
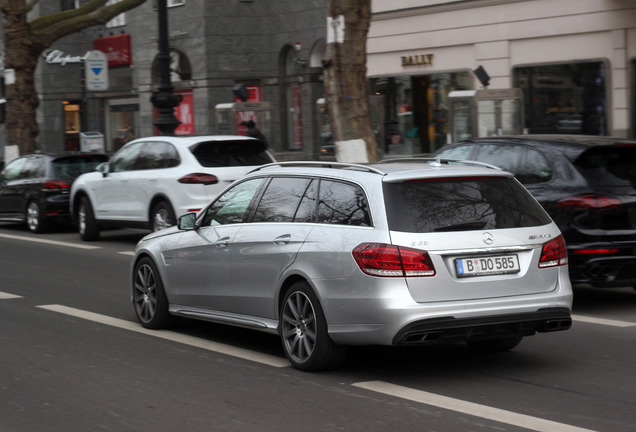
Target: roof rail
[[318, 164], [437, 162]]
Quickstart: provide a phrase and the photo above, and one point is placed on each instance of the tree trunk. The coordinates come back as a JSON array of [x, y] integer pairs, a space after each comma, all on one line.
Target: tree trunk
[[345, 75], [22, 99]]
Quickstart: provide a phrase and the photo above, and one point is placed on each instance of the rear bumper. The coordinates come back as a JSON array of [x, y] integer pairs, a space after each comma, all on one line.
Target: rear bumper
[[616, 270], [449, 329]]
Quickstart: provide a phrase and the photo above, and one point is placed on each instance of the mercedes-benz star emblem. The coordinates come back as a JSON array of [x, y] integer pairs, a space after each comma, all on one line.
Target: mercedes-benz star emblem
[[487, 237]]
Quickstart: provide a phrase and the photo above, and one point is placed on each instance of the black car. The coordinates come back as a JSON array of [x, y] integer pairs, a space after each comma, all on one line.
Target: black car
[[588, 186], [34, 189]]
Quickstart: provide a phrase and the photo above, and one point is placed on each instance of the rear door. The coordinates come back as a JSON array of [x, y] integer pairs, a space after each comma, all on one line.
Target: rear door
[[265, 247], [11, 180]]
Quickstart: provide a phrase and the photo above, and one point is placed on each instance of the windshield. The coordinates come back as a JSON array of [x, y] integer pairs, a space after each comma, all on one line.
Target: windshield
[[461, 204]]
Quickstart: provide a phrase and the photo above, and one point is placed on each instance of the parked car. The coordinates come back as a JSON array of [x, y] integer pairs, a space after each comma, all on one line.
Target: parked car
[[151, 181], [588, 186], [34, 189], [329, 255]]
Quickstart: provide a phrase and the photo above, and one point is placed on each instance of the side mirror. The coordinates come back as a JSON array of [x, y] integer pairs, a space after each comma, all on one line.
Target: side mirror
[[187, 222], [103, 168]]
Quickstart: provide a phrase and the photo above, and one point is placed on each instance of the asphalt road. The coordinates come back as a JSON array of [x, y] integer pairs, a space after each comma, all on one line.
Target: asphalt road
[[72, 358]]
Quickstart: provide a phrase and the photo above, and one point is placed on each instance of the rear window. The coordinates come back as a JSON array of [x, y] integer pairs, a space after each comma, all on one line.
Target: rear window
[[612, 166], [439, 205], [231, 153], [73, 166]]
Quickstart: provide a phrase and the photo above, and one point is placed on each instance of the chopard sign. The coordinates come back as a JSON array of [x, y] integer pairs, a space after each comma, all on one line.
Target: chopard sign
[[61, 58]]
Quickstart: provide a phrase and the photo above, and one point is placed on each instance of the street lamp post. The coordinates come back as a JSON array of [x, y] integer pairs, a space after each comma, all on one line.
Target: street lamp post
[[164, 98]]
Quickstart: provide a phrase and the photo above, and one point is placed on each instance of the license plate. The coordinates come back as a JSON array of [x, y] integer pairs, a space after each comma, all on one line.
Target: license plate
[[482, 266]]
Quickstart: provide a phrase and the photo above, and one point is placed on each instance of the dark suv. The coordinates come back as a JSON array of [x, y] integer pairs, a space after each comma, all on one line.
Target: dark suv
[[35, 189], [588, 186]]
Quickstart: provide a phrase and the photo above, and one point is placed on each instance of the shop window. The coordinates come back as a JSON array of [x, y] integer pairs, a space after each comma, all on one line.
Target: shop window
[[416, 110], [564, 98], [72, 124], [69, 4], [119, 20]]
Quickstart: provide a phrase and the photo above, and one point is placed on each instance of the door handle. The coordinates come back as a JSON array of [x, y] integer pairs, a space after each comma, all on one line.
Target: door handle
[[283, 239], [222, 242]]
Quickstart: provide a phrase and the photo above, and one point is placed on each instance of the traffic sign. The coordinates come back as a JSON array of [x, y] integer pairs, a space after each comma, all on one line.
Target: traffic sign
[[96, 71]]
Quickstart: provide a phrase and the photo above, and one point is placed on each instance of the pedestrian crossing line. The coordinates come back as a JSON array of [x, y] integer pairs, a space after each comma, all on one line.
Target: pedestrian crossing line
[[603, 321], [470, 408], [51, 242], [8, 296], [171, 336]]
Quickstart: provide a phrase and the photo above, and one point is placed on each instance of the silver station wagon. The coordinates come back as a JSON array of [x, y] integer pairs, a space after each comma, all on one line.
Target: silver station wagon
[[330, 255]]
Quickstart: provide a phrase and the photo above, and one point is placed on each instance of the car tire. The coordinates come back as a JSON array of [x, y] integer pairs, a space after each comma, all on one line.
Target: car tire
[[34, 218], [303, 332], [495, 345], [149, 297], [162, 216], [88, 229]]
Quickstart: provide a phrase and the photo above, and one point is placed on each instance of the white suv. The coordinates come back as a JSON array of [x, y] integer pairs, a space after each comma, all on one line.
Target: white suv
[[151, 181]]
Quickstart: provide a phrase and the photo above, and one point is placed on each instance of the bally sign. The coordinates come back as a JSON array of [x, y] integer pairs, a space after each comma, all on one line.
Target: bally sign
[[417, 60], [96, 71]]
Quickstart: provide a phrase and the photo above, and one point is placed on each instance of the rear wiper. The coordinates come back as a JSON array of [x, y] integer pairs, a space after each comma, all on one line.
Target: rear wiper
[[465, 226]]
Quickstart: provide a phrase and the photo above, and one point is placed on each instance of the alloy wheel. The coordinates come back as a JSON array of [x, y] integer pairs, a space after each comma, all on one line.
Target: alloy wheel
[[145, 293], [299, 327]]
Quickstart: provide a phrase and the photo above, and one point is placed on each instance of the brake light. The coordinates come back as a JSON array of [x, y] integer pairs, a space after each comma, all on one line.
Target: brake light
[[55, 185], [378, 259], [553, 253], [199, 178], [589, 201]]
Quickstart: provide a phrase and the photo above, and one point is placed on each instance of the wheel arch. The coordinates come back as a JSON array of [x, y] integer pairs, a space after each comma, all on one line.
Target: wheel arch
[[160, 197], [284, 289], [75, 199]]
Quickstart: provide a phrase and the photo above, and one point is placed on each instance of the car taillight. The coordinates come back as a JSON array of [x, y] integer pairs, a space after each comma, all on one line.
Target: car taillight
[[378, 259], [589, 201], [553, 253], [55, 185], [199, 178]]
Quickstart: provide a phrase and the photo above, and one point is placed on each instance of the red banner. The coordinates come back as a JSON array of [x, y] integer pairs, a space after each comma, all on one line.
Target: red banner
[[116, 48]]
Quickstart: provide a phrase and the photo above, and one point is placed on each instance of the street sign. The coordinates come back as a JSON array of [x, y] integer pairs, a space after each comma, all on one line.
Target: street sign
[[96, 71]]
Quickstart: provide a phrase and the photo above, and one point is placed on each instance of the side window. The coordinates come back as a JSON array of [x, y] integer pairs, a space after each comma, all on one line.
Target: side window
[[33, 168], [281, 199], [342, 204], [460, 152], [230, 207], [12, 171], [502, 156], [124, 159], [307, 208], [157, 155], [536, 168]]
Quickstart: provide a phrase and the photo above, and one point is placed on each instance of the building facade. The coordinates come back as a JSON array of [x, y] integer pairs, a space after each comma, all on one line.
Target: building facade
[[574, 61], [273, 49]]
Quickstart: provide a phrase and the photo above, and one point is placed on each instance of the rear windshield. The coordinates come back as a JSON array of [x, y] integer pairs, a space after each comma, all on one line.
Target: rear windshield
[[231, 153], [72, 167], [439, 205], [611, 167]]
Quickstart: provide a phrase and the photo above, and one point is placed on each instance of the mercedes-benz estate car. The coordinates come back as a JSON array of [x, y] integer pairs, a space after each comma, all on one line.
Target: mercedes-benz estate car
[[587, 184], [151, 181], [331, 255], [34, 189]]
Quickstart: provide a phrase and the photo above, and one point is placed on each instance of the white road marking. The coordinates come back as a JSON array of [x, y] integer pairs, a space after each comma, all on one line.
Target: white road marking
[[131, 253], [470, 408], [171, 336], [52, 242], [603, 321], [7, 296]]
